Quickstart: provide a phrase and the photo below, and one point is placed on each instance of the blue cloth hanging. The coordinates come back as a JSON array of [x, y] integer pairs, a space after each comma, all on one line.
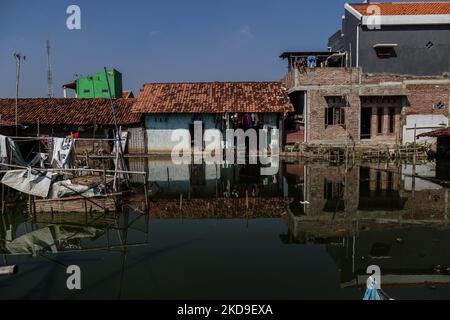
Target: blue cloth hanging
[[372, 291]]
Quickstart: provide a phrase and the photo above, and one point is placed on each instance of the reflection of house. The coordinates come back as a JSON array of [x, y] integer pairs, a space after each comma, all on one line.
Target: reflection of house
[[206, 180], [369, 191], [171, 108], [220, 208], [409, 262]]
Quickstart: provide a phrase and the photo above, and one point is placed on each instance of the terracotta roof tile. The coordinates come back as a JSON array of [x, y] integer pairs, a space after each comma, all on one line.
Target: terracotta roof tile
[[436, 133], [406, 8], [213, 97], [68, 111]]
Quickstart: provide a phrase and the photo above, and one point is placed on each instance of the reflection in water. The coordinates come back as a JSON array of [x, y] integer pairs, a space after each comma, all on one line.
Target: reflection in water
[[310, 231]]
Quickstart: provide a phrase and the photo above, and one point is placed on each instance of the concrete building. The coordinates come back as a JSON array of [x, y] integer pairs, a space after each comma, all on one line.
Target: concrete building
[[399, 37]]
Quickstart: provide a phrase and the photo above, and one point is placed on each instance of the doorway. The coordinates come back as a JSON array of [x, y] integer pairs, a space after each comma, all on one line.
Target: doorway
[[366, 123]]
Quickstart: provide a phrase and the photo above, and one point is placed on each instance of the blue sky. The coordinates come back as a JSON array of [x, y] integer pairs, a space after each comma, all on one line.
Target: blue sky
[[160, 40]]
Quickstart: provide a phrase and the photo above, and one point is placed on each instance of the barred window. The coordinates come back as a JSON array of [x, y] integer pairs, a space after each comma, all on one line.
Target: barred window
[[335, 111]]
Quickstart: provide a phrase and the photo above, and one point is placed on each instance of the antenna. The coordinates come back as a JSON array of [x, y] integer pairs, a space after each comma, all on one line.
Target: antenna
[[49, 71], [18, 57]]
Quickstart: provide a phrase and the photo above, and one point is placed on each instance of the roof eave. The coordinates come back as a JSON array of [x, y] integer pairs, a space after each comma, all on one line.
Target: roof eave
[[353, 11], [395, 20]]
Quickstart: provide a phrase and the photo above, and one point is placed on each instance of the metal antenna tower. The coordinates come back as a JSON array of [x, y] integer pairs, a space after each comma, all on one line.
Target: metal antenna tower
[[49, 71]]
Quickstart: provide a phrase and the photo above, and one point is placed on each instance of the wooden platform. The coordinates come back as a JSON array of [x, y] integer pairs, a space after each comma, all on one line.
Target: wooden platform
[[76, 204]]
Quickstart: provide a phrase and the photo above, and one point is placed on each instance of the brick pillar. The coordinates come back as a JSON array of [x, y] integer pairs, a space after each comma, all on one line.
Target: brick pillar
[[384, 180], [385, 121], [395, 181], [373, 179], [374, 122], [397, 124]]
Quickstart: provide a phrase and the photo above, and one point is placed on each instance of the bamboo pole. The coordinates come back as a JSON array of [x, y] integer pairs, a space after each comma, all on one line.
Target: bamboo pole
[[69, 169], [146, 192]]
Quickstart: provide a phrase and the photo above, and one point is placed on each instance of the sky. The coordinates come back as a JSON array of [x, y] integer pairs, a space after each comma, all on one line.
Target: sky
[[159, 40]]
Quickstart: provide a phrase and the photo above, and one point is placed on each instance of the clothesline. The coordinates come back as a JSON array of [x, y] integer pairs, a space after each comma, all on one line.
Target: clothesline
[[76, 139], [71, 169]]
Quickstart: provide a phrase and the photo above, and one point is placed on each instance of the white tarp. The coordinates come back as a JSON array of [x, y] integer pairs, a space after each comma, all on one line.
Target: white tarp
[[62, 149], [36, 183], [61, 189], [8, 148], [3, 149]]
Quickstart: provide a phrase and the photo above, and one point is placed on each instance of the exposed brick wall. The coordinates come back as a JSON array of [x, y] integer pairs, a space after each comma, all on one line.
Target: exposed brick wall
[[316, 119], [422, 98], [328, 76], [422, 95]]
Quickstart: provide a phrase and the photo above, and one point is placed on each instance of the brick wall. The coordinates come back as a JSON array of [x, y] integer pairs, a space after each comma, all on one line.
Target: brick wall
[[318, 131], [327, 76], [422, 98]]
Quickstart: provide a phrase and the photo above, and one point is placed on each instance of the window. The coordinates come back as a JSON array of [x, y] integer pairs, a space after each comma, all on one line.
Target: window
[[335, 111], [440, 105], [334, 196], [385, 51]]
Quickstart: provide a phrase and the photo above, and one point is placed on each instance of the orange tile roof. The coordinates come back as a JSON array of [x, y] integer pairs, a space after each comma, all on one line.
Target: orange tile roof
[[57, 111], [406, 8], [213, 97], [436, 133]]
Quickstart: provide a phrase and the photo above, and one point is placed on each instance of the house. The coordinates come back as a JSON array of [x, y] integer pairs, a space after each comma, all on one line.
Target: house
[[218, 105], [90, 118], [344, 106], [443, 141], [397, 37]]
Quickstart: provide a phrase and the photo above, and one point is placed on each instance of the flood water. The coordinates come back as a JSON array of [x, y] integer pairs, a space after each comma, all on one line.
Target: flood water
[[309, 232]]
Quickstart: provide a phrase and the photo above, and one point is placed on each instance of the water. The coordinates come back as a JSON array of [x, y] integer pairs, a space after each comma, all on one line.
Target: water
[[309, 232]]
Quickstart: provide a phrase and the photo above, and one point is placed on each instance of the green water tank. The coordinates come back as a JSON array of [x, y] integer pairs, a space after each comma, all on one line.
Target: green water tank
[[95, 85]]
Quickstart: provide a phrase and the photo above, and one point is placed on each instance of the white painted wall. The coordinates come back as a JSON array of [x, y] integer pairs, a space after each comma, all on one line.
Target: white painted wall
[[158, 171], [424, 123], [424, 170], [160, 128]]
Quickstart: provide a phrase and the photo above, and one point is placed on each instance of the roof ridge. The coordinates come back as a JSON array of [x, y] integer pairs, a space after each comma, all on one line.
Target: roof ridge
[[210, 82]]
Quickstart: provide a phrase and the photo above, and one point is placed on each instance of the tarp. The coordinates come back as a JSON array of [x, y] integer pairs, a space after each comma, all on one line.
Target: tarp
[[9, 149], [34, 182], [35, 241], [62, 152], [65, 188]]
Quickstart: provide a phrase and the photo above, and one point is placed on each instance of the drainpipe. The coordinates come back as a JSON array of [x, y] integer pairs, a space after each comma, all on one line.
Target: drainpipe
[[357, 44], [305, 112]]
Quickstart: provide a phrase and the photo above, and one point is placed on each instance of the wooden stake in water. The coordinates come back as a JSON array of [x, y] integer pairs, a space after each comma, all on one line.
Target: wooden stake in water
[[246, 198]]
